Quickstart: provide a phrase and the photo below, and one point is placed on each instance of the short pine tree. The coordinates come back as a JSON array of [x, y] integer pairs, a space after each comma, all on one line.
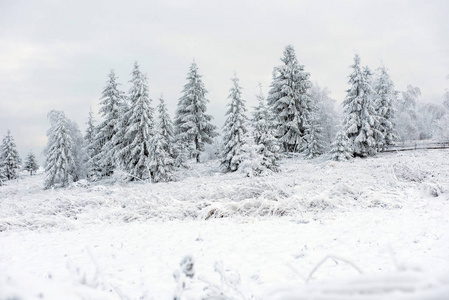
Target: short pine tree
[[192, 124], [161, 162], [134, 155], [314, 145], [31, 164], [360, 120], [290, 102], [92, 150], [107, 138], [263, 134], [341, 148], [234, 129], [9, 158], [384, 106], [166, 130], [60, 165]]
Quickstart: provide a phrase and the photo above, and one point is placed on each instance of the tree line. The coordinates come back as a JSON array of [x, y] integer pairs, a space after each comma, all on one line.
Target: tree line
[[295, 117]]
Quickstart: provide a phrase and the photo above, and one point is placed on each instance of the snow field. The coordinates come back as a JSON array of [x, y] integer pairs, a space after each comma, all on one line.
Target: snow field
[[387, 215]]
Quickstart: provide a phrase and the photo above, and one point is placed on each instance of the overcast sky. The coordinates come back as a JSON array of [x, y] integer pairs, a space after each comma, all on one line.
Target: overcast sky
[[57, 54]]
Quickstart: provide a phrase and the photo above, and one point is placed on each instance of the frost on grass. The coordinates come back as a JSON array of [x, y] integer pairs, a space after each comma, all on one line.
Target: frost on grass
[[388, 181]]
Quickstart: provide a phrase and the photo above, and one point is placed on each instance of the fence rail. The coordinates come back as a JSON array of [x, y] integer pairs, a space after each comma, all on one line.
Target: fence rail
[[418, 146]]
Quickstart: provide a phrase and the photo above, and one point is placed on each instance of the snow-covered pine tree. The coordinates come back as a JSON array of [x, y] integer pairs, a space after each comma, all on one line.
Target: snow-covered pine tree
[[263, 132], [360, 121], [166, 130], [341, 148], [78, 150], [406, 118], [384, 106], [9, 158], [134, 153], [60, 165], [327, 116], [93, 169], [313, 145], [289, 101], [107, 137], [234, 129], [192, 124], [31, 164], [161, 162], [162, 150]]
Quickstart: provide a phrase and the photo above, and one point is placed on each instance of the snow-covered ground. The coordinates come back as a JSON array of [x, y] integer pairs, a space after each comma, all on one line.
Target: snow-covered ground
[[386, 217]]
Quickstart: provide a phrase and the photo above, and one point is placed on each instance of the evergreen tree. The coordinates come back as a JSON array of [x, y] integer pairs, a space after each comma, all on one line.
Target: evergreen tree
[[166, 129], [161, 162], [234, 129], [341, 148], [289, 101], [9, 158], [31, 164], [162, 147], [107, 138], [327, 117], [314, 139], [360, 121], [263, 133], [191, 122], [60, 165], [134, 153], [406, 118], [384, 106], [92, 149], [78, 150]]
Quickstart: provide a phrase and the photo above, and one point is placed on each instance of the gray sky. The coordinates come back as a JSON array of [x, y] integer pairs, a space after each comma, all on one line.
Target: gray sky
[[57, 54]]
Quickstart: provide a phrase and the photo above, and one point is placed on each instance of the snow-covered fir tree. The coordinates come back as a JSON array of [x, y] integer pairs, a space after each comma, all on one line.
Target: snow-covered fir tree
[[314, 145], [134, 151], [267, 146], [360, 121], [406, 117], [161, 162], [341, 148], [9, 158], [384, 106], [162, 150], [31, 164], [60, 165], [166, 130], [78, 150], [192, 124], [328, 118], [106, 137], [234, 129], [289, 100], [91, 149]]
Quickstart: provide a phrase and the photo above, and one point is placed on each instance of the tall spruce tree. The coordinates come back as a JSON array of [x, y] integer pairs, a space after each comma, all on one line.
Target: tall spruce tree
[[106, 137], [134, 153], [360, 121], [289, 101], [31, 164], [9, 158], [192, 124], [234, 129], [60, 165], [384, 106]]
